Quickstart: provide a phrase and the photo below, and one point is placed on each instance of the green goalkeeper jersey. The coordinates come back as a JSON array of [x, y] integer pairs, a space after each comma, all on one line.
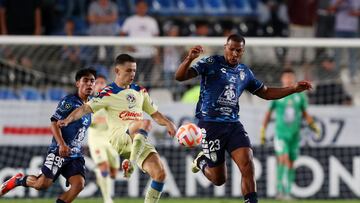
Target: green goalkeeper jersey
[[288, 112]]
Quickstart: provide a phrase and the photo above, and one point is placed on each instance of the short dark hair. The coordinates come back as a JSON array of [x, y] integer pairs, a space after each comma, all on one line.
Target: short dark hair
[[287, 70], [84, 72], [236, 38], [123, 58]]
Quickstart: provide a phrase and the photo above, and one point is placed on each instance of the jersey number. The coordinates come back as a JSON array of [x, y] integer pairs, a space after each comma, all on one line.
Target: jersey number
[[52, 159], [214, 145]]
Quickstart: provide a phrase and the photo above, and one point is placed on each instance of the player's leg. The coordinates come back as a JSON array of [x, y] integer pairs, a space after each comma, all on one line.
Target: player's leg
[[211, 160], [74, 172], [37, 182], [293, 148], [77, 183], [281, 151], [103, 180], [154, 167], [243, 157], [50, 171], [138, 131], [239, 147], [101, 157]]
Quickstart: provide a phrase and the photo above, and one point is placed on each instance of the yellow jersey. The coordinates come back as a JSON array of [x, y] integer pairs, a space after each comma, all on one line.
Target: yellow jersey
[[122, 106]]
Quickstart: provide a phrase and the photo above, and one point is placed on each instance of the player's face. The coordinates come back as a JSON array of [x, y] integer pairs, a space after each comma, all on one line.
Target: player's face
[[233, 52], [86, 85], [100, 83], [288, 79], [126, 72]]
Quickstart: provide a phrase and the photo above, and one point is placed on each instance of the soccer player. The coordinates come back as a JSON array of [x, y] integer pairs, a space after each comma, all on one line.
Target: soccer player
[[104, 155], [289, 111], [223, 79], [124, 103], [64, 154]]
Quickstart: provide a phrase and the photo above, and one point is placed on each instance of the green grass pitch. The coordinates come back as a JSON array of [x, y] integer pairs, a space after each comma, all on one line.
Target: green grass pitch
[[173, 200]]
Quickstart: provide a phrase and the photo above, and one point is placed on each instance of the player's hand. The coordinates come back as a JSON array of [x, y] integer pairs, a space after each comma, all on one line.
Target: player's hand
[[64, 150], [195, 52], [171, 128], [302, 85], [315, 129], [62, 123], [262, 136]]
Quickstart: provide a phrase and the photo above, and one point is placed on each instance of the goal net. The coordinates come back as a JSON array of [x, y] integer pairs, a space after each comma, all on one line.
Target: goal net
[[37, 71]]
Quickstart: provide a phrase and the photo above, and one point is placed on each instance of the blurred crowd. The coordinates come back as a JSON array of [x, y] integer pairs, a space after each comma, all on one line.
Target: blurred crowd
[[205, 18]]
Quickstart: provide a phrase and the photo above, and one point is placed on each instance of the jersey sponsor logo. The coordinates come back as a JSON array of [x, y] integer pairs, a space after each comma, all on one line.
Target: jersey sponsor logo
[[225, 110], [228, 96], [130, 115], [131, 99], [242, 75]]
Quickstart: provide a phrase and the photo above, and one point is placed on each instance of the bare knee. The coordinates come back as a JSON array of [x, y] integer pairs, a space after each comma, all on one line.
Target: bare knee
[[218, 178], [78, 186], [218, 181], [146, 125], [160, 175]]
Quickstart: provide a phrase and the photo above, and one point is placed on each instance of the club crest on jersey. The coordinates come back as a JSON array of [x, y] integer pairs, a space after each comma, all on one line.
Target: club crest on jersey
[[213, 156], [242, 75], [131, 99]]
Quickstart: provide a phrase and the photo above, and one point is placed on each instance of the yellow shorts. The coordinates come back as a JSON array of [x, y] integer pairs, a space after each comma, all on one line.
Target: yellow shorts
[[101, 151], [122, 143]]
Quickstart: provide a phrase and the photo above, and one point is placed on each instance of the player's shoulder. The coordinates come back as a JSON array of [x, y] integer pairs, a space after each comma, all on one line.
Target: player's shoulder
[[68, 102], [211, 59], [70, 98], [108, 90], [138, 88]]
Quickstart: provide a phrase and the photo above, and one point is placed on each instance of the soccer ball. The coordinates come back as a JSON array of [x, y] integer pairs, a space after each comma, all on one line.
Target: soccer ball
[[189, 135]]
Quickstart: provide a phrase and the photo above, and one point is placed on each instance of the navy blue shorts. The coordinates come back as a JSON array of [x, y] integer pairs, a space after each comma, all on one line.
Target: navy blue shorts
[[221, 137], [55, 165]]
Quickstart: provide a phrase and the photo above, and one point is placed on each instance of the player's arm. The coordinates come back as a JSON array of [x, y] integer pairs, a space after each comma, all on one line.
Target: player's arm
[[37, 21], [310, 121], [75, 115], [184, 72], [3, 20], [160, 119], [64, 150], [264, 126], [271, 93]]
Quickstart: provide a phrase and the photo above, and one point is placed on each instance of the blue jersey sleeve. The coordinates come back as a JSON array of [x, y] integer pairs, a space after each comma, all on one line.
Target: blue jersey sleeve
[[201, 66], [253, 84], [64, 108]]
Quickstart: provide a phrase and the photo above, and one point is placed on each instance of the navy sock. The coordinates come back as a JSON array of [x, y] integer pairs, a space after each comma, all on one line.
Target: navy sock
[[143, 132], [202, 163], [22, 181], [250, 198], [59, 201]]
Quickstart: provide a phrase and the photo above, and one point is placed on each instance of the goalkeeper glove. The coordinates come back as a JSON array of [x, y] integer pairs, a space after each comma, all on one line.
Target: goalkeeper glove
[[262, 136], [314, 128]]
